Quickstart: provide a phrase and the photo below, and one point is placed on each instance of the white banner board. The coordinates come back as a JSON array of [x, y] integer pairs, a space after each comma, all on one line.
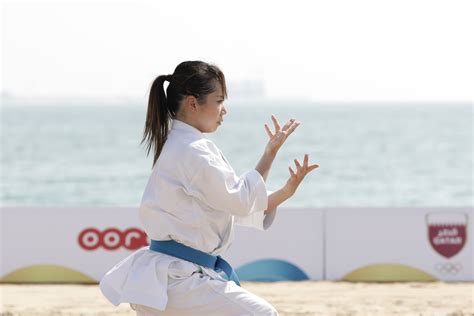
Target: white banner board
[[295, 241], [399, 244], [373, 244], [82, 244], [66, 244]]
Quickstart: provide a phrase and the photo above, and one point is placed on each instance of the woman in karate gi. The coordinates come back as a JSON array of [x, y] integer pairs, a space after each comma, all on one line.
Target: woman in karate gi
[[192, 199]]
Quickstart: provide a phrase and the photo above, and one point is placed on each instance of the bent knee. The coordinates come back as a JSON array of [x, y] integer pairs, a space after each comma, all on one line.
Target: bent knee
[[268, 310], [263, 308]]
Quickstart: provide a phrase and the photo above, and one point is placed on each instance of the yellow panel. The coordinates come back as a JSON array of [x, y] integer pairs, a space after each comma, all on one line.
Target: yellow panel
[[46, 273], [388, 272]]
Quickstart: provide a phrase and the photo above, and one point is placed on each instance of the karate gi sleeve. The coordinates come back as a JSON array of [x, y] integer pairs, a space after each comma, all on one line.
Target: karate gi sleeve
[[257, 220], [215, 183]]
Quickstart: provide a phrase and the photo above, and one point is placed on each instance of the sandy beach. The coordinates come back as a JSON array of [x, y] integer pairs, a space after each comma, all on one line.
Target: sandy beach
[[290, 298]]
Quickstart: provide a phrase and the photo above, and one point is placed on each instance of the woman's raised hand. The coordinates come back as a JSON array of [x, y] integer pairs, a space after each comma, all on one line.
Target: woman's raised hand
[[296, 178], [278, 137]]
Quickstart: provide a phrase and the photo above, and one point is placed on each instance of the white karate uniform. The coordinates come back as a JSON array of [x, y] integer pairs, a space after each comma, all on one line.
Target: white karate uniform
[[194, 197]]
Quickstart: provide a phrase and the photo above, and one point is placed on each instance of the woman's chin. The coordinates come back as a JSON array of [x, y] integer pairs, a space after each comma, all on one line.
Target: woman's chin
[[212, 129]]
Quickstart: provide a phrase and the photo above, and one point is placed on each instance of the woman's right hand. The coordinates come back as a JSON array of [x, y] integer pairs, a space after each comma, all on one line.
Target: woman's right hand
[[277, 138], [296, 178]]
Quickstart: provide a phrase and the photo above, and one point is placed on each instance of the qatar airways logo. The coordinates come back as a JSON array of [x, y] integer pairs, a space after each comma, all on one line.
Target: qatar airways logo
[[112, 238], [447, 232]]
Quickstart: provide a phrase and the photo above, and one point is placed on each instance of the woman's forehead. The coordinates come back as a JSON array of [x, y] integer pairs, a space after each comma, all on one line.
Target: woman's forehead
[[218, 92]]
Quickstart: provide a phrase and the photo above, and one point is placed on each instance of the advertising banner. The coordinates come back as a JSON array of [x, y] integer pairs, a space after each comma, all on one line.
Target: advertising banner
[[66, 244], [82, 244], [399, 244], [79, 245], [291, 249]]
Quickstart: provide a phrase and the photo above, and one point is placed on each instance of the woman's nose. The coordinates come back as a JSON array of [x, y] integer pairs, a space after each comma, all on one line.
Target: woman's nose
[[224, 110]]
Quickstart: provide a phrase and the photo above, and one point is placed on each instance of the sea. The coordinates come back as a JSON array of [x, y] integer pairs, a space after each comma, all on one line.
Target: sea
[[370, 154]]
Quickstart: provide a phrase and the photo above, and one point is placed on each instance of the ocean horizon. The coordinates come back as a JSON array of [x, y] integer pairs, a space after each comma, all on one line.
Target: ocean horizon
[[390, 155]]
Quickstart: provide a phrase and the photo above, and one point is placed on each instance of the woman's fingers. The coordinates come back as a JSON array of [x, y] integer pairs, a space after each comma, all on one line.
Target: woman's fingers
[[305, 168], [292, 172], [269, 132], [288, 124], [298, 165], [287, 129], [293, 126], [276, 123], [312, 167]]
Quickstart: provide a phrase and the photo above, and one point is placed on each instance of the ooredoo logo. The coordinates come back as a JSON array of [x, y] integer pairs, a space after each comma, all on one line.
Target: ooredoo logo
[[112, 238]]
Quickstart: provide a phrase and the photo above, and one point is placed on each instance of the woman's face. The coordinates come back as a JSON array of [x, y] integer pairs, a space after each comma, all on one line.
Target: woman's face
[[210, 115]]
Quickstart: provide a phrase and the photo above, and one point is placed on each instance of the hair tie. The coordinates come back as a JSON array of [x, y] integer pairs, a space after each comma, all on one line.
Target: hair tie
[[169, 78]]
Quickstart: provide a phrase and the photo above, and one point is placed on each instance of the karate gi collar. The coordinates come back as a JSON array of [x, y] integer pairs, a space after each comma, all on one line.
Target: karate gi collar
[[181, 126]]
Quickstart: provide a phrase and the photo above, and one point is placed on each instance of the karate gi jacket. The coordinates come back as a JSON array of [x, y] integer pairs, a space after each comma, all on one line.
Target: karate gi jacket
[[194, 197]]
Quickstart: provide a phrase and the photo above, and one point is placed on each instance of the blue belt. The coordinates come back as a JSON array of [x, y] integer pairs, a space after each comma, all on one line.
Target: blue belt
[[175, 249]]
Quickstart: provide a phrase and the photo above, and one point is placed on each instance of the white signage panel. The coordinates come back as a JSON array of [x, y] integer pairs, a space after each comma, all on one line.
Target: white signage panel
[[293, 242], [66, 244], [399, 244]]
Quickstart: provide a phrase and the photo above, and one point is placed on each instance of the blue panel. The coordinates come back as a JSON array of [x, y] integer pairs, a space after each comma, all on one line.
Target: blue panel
[[270, 270]]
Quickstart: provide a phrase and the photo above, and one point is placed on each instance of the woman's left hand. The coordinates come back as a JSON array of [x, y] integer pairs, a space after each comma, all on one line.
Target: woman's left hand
[[278, 137], [295, 178]]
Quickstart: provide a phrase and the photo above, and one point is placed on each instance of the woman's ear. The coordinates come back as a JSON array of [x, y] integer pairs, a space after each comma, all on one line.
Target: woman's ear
[[191, 103]]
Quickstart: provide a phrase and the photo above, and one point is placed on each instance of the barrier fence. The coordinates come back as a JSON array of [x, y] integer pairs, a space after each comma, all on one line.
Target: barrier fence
[[78, 245]]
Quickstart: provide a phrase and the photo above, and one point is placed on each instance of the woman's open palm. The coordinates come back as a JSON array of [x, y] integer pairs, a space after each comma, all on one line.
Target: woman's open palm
[[278, 137]]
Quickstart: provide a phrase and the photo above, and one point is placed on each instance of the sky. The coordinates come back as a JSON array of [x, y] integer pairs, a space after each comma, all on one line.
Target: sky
[[331, 51]]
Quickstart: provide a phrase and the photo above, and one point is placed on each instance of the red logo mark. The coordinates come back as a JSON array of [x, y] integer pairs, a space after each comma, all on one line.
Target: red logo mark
[[447, 232], [112, 238]]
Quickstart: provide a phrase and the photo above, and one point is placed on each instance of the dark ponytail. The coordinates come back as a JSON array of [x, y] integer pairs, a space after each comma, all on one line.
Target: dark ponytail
[[157, 118], [195, 78]]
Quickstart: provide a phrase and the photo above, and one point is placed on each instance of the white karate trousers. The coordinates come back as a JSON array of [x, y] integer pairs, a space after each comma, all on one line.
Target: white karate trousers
[[200, 295]]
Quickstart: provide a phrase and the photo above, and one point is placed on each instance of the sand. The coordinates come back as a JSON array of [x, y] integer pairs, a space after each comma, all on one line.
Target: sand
[[290, 298]]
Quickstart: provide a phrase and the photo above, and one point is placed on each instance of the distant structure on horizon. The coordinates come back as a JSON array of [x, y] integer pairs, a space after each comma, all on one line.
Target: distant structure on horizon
[[237, 90], [246, 89]]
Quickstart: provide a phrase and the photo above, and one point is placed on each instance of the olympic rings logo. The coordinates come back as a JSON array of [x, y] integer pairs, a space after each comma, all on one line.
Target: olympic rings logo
[[448, 267], [112, 238]]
